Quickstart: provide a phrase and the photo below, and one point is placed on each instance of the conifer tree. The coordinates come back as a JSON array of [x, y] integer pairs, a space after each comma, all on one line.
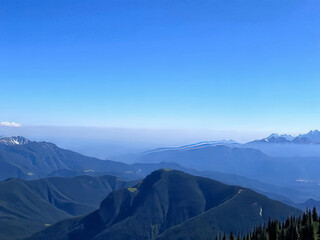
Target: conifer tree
[[314, 214], [231, 236], [224, 237], [274, 230], [305, 227]]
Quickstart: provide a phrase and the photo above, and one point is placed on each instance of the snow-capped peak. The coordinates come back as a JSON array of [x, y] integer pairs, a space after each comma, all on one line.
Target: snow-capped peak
[[313, 132], [11, 141], [285, 136], [273, 135]]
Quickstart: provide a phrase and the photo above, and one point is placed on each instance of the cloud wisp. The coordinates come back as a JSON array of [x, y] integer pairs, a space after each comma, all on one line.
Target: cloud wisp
[[10, 124]]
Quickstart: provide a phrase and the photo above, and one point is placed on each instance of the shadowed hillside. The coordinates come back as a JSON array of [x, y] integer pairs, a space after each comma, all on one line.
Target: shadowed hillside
[[29, 206], [167, 201]]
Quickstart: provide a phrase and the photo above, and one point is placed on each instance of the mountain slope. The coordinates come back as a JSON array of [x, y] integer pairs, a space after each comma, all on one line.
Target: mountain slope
[[37, 159], [248, 162], [162, 201], [208, 157], [229, 217], [312, 137], [28, 206], [309, 204], [26, 159]]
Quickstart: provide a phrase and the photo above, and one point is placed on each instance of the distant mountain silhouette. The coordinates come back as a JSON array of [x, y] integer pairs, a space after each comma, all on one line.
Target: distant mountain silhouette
[[28, 206], [243, 161], [171, 205], [312, 137], [197, 145], [25, 159], [308, 204], [227, 163], [276, 140]]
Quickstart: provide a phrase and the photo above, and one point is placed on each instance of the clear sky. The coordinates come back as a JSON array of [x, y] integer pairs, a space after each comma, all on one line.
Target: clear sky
[[190, 64]]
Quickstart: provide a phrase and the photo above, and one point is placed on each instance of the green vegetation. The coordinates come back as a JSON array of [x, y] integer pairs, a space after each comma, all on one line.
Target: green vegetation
[[132, 189], [171, 205], [306, 227]]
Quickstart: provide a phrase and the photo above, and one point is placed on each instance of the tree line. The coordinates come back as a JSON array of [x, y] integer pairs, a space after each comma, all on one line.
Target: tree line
[[305, 227]]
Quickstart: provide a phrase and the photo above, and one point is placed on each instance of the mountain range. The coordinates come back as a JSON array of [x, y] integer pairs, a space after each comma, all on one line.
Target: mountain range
[[25, 159], [312, 137], [243, 161], [226, 163], [43, 184], [171, 205]]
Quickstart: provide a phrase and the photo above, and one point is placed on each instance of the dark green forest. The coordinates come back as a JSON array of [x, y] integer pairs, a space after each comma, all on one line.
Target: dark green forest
[[306, 227]]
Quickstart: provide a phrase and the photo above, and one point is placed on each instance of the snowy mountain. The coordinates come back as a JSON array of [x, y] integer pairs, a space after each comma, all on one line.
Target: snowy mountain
[[275, 138], [312, 137], [285, 136], [12, 141]]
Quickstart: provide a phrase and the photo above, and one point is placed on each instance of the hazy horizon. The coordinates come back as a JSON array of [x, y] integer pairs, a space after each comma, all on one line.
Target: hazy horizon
[[113, 142], [91, 132]]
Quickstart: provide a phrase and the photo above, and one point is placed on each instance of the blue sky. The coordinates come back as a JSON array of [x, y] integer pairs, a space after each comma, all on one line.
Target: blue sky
[[178, 64]]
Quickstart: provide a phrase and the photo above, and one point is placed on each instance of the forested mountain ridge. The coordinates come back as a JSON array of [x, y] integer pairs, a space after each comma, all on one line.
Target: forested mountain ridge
[[168, 199]]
